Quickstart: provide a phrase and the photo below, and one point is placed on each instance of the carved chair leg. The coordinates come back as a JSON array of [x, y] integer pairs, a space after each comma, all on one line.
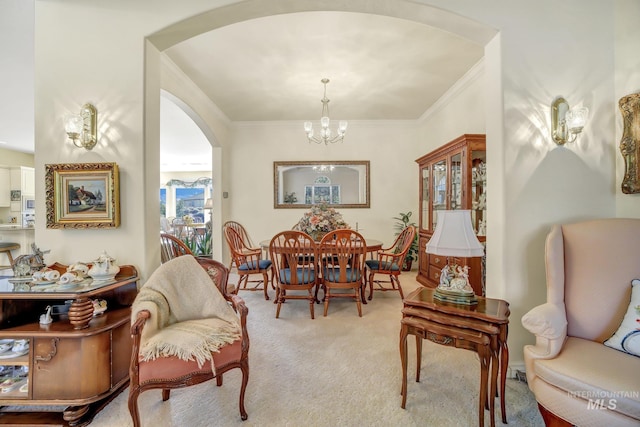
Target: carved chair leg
[[244, 367], [397, 280], [312, 302], [371, 285], [165, 394], [133, 407], [327, 294], [279, 298], [265, 285], [219, 380]]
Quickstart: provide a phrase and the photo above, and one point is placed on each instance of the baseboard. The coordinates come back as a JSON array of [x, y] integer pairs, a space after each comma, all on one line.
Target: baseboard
[[513, 368]]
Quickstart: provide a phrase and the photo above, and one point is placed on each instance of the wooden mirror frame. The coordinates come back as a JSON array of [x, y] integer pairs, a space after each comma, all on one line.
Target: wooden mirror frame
[[279, 189]]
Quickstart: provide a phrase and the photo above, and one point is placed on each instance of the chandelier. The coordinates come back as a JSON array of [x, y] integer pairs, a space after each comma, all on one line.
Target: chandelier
[[325, 131]]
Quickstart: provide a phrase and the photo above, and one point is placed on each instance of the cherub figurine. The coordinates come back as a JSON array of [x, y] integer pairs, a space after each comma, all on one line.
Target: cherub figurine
[[445, 276]]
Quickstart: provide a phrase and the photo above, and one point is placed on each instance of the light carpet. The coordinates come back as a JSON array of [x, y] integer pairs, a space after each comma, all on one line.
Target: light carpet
[[339, 370]]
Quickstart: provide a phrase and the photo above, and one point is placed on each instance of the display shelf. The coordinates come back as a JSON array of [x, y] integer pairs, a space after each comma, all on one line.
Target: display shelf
[[452, 177]]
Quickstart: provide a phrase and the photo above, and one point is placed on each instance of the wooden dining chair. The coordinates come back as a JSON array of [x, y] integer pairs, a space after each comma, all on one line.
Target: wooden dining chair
[[244, 235], [294, 256], [342, 255], [389, 261], [172, 247], [249, 263]]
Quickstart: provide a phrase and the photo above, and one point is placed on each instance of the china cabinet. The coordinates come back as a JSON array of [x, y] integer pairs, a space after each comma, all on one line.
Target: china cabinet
[[452, 177], [78, 362]]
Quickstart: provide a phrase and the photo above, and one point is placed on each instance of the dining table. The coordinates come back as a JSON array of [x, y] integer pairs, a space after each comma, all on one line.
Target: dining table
[[373, 246]]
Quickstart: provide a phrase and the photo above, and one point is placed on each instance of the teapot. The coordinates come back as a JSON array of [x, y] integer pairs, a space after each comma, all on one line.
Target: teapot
[[104, 267]]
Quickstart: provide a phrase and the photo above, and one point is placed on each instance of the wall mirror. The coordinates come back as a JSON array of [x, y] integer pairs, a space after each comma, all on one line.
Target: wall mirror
[[341, 184]]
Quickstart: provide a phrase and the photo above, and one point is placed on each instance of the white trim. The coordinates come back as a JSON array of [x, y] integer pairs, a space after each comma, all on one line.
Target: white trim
[[469, 77], [169, 66], [513, 367]]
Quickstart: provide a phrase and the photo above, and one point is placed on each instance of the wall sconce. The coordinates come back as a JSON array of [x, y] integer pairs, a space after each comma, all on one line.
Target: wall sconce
[[82, 128], [566, 123]]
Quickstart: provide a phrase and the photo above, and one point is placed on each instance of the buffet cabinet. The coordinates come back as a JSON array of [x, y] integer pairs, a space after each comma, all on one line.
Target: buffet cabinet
[[453, 177], [75, 365]]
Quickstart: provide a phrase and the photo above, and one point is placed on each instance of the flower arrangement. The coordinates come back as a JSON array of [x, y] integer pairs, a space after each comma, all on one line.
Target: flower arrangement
[[320, 220]]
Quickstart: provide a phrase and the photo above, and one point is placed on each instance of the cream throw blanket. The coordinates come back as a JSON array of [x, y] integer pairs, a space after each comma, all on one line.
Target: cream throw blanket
[[189, 316]]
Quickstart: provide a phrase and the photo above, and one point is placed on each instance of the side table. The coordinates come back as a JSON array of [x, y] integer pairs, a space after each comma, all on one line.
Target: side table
[[451, 336], [489, 317]]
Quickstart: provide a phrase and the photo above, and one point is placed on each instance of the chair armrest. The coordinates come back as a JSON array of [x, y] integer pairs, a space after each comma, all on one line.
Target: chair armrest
[[136, 327], [386, 253], [251, 251], [239, 305], [136, 335], [548, 322]]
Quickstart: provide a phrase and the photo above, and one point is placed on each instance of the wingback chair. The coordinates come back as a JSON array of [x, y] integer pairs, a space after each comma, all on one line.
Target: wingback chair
[[193, 281], [576, 379]]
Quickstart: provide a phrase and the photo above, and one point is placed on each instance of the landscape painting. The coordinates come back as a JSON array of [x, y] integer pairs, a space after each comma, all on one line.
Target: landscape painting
[[82, 195]]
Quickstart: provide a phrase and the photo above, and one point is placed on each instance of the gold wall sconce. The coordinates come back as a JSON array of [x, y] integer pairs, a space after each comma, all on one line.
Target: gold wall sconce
[[566, 123], [82, 128]]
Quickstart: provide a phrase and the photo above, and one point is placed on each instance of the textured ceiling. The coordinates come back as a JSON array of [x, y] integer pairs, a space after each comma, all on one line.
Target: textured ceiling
[[265, 69], [270, 68]]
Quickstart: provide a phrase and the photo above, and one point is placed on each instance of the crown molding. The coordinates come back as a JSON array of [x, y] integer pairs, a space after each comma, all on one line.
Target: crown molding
[[451, 94]]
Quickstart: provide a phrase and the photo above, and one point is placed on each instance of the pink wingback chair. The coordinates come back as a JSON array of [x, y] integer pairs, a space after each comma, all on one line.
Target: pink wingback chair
[[589, 266]]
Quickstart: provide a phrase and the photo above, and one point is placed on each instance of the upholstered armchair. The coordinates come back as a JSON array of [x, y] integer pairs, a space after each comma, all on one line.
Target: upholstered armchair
[[186, 329], [576, 379]]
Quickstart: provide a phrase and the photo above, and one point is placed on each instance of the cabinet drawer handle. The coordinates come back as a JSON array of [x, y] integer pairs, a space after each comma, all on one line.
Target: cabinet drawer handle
[[437, 260], [52, 353], [437, 340]]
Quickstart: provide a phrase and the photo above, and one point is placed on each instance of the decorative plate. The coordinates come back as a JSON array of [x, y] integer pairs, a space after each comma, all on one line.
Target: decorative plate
[[12, 354], [5, 345], [43, 282]]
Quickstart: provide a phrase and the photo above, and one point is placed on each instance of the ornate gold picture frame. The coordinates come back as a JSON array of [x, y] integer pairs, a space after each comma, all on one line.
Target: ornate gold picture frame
[[82, 195], [630, 142]]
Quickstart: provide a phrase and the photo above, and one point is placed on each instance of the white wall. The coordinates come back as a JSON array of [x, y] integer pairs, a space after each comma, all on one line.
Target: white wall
[[391, 147], [535, 183]]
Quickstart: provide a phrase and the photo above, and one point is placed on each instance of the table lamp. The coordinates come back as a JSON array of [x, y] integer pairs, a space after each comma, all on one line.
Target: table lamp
[[454, 237]]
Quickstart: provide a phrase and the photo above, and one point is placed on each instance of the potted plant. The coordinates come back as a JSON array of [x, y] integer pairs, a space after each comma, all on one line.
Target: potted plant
[[403, 220]]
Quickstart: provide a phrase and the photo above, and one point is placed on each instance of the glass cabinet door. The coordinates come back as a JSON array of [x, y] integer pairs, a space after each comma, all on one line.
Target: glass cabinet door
[[479, 191], [425, 220], [439, 193], [456, 182]]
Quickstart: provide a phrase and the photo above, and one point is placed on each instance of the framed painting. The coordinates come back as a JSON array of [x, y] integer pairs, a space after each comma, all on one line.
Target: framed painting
[[82, 195]]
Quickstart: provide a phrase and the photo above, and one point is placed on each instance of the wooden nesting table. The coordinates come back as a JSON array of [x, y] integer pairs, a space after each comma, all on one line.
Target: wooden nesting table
[[482, 328]]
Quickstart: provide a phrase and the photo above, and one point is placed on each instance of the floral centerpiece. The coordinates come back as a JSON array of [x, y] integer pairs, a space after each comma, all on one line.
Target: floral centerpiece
[[320, 220]]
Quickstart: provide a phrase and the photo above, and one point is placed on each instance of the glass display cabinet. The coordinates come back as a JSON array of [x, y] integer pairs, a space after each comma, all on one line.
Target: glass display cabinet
[[452, 177]]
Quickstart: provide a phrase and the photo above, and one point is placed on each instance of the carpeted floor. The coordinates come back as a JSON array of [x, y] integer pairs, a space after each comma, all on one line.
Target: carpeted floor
[[339, 370]]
